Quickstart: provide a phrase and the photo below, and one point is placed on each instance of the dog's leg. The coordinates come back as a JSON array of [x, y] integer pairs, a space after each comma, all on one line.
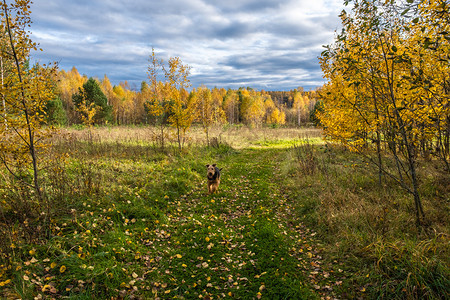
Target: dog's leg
[[214, 187]]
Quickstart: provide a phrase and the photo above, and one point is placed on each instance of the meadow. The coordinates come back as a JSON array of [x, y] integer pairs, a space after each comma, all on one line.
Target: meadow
[[295, 218]]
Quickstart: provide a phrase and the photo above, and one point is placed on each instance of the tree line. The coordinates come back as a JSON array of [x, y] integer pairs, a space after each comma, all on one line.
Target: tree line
[[123, 104]]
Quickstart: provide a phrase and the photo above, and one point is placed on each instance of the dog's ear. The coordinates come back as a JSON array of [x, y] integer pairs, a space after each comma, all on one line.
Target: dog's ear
[[220, 169], [214, 165], [207, 165]]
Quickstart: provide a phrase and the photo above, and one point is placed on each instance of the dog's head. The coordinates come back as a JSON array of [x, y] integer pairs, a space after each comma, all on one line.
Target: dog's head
[[211, 170]]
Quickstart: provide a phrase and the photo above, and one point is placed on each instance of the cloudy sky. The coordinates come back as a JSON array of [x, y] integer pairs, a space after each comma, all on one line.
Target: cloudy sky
[[264, 44]]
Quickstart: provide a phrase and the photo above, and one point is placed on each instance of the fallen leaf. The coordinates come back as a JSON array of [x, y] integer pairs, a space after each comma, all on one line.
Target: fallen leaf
[[46, 288]]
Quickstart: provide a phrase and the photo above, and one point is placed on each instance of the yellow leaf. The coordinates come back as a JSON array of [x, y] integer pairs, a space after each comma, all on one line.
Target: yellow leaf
[[62, 269], [3, 283], [52, 265], [207, 239], [32, 252], [46, 287], [178, 256]]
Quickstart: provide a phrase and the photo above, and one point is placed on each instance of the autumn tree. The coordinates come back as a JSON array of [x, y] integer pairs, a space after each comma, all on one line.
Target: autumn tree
[[127, 105], [169, 99], [139, 112], [68, 84], [298, 106], [205, 109], [252, 107], [217, 96], [120, 104], [387, 85], [25, 92], [231, 106], [426, 57], [144, 95], [89, 98], [273, 115]]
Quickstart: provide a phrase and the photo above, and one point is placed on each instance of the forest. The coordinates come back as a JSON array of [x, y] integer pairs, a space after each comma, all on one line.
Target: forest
[[336, 193], [124, 105]]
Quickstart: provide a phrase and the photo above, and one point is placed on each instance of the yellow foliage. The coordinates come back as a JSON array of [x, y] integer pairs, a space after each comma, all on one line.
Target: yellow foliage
[[252, 107], [24, 92], [169, 100], [381, 82]]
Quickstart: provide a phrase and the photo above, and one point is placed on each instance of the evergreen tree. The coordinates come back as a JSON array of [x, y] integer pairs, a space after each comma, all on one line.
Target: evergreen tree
[[55, 112], [91, 95]]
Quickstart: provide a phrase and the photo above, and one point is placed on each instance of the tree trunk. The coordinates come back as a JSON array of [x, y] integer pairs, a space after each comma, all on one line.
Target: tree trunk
[[402, 130], [3, 96], [179, 137], [162, 136]]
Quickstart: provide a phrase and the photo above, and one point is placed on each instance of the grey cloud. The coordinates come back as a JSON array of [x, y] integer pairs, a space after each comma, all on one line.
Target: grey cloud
[[252, 6], [229, 42], [234, 30]]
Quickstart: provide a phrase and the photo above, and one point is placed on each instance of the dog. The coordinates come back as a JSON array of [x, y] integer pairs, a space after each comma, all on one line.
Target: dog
[[213, 175]]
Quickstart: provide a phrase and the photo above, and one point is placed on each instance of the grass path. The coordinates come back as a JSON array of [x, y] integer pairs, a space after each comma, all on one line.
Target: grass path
[[243, 242], [151, 231]]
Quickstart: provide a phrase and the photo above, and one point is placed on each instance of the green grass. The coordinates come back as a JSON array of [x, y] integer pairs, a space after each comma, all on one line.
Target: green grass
[[369, 228], [293, 219]]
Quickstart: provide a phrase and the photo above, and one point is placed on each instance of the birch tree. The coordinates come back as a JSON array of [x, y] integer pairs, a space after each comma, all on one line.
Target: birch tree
[[25, 92]]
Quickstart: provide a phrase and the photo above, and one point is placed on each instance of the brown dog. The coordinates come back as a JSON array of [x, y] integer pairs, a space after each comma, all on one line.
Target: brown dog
[[213, 175]]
